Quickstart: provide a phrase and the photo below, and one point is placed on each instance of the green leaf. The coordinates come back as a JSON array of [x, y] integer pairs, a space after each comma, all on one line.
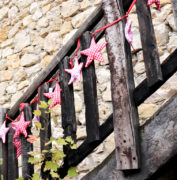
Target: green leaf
[[50, 165], [31, 160], [72, 172], [37, 112], [61, 142], [54, 175], [45, 151], [69, 139], [50, 101], [43, 105], [74, 146], [20, 178], [58, 155], [36, 176], [39, 125], [1, 161]]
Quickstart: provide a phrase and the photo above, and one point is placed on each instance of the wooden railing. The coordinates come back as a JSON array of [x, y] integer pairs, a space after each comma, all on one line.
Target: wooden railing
[[156, 75]]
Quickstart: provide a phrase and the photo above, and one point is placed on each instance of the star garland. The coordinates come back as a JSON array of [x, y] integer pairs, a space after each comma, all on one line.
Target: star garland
[[92, 53]]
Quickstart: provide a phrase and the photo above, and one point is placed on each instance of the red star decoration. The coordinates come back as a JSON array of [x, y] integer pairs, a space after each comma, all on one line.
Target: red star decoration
[[56, 95], [93, 52], [157, 3], [75, 72], [20, 126], [3, 132], [17, 144]]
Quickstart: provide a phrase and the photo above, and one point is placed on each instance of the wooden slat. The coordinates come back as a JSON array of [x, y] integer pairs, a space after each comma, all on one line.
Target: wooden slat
[[67, 50], [169, 67], [45, 134], [122, 85], [90, 93], [67, 99], [3, 149], [27, 168], [174, 7], [150, 50]]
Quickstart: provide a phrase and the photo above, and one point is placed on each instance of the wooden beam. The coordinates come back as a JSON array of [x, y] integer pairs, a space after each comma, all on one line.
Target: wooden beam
[[90, 93], [125, 113], [174, 7], [158, 146], [148, 40]]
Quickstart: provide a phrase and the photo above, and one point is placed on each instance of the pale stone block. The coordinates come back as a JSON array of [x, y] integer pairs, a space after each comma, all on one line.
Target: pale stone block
[[5, 76], [29, 60], [20, 75]]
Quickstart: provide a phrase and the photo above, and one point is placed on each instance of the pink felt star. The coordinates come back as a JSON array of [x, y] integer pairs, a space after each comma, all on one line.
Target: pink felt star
[[75, 72], [157, 2], [56, 95], [17, 144], [128, 31], [93, 52], [3, 132], [20, 126]]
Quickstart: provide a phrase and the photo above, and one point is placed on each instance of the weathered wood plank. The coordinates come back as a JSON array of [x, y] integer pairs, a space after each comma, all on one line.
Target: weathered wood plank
[[158, 146], [27, 168], [3, 149], [45, 134], [67, 50], [174, 7], [90, 93], [169, 67], [122, 85], [150, 50], [67, 99]]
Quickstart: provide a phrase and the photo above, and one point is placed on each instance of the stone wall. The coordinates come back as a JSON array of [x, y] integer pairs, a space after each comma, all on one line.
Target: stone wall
[[33, 31]]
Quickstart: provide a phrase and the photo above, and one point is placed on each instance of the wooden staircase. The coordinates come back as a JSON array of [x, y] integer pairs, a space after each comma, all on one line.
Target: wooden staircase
[[157, 74]]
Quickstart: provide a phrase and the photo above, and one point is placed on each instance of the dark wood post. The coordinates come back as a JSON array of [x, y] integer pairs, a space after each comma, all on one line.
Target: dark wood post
[[125, 114]]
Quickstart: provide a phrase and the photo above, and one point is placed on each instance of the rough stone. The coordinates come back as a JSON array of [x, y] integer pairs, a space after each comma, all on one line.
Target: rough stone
[[37, 15], [20, 75], [7, 51], [51, 42], [171, 46], [24, 4], [78, 20], [16, 97], [139, 68], [105, 110], [22, 39], [78, 102], [65, 28], [4, 99], [161, 32], [6, 43], [81, 134], [14, 29], [171, 22], [33, 69], [27, 20], [33, 8], [147, 110], [12, 13], [45, 61], [3, 64], [46, 8], [107, 94], [13, 61], [22, 85], [3, 12], [5, 76], [103, 75], [3, 86], [11, 89], [43, 22], [29, 60], [68, 36], [3, 35], [85, 4], [69, 8]]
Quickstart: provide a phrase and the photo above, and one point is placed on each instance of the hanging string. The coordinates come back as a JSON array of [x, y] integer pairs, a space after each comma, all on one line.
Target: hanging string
[[8, 118], [77, 49]]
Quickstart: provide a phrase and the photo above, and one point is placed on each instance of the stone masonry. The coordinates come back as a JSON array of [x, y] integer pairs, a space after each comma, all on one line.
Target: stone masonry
[[33, 31]]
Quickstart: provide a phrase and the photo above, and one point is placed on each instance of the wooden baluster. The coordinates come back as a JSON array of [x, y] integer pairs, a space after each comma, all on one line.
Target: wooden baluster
[[67, 100], [90, 93], [45, 134], [174, 7], [3, 149], [125, 114], [148, 40], [27, 168]]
